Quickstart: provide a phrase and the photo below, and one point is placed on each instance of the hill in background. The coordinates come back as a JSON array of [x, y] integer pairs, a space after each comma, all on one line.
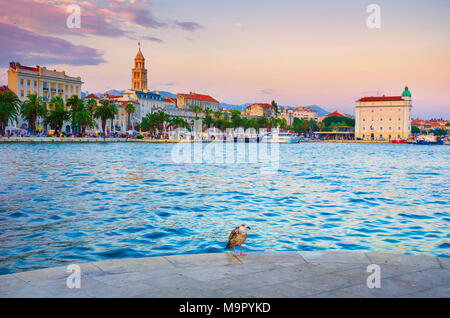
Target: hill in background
[[114, 92]]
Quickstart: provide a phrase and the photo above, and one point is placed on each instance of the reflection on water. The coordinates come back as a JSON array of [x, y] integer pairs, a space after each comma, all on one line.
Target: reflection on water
[[66, 203]]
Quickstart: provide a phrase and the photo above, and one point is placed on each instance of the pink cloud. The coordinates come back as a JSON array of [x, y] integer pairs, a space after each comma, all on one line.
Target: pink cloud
[[29, 47]]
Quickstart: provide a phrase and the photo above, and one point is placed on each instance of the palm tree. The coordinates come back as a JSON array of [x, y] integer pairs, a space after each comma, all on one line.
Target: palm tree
[[91, 105], [55, 102], [105, 112], [208, 120], [75, 104], [149, 123], [84, 120], [9, 109], [253, 123], [56, 117], [274, 104], [207, 111], [31, 110], [225, 123], [320, 125], [217, 115], [177, 122], [262, 122], [161, 118], [129, 109], [312, 125], [283, 123], [196, 110], [236, 118], [273, 122]]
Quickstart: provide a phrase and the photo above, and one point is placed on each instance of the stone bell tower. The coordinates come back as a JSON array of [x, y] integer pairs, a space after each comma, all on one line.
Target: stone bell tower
[[139, 73]]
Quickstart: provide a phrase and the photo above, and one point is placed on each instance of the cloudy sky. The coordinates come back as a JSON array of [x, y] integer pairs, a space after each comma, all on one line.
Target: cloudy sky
[[295, 52]]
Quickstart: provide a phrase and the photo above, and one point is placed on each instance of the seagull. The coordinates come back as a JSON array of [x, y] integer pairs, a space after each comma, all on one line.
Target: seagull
[[237, 237]]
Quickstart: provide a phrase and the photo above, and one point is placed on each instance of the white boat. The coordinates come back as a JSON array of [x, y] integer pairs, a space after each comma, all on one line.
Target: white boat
[[281, 137]]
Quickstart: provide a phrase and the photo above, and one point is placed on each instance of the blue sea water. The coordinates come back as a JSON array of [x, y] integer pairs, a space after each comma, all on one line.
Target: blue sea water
[[70, 203]]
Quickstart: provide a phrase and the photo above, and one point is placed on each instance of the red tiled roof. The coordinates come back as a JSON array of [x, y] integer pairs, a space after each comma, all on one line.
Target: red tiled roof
[[204, 98], [125, 103], [380, 99], [14, 65], [335, 113], [91, 96], [168, 99], [4, 89]]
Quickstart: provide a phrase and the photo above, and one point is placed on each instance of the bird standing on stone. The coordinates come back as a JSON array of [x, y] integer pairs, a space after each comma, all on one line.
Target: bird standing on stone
[[237, 237]]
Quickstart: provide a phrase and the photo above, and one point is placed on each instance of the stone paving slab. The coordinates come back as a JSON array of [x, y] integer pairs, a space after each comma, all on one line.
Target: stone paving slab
[[258, 274]]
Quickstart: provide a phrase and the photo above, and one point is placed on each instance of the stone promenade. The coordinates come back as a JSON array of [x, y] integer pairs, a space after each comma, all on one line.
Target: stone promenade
[[259, 274]]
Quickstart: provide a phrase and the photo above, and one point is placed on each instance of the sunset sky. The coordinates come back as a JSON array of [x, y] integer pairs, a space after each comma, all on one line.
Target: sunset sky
[[295, 52]]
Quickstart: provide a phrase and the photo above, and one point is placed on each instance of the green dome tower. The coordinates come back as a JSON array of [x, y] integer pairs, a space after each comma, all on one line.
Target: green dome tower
[[406, 92]]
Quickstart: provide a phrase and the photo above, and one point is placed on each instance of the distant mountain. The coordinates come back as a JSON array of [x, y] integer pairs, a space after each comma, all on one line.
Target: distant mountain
[[114, 92], [231, 106], [165, 94], [320, 111]]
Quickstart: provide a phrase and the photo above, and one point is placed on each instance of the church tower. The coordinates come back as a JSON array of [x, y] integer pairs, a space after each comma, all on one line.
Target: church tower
[[139, 73]]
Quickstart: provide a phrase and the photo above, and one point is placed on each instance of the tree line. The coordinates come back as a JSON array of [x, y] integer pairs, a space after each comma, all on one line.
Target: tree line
[[55, 113], [83, 115]]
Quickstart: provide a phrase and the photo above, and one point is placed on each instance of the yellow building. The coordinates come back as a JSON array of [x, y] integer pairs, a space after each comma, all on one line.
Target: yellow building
[[192, 99], [25, 80], [385, 117], [299, 112], [259, 110]]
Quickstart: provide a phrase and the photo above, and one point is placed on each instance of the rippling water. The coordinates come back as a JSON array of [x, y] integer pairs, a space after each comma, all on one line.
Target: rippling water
[[68, 203]]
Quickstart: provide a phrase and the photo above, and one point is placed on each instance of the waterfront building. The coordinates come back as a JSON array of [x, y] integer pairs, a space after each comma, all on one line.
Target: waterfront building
[[259, 110], [430, 124], [192, 99], [299, 112], [385, 117], [25, 80], [121, 119]]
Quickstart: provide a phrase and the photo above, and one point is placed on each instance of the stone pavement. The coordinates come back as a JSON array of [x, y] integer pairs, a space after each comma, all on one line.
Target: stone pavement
[[259, 274]]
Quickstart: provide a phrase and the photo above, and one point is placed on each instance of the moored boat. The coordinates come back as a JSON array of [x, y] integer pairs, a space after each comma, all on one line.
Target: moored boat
[[276, 136]]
